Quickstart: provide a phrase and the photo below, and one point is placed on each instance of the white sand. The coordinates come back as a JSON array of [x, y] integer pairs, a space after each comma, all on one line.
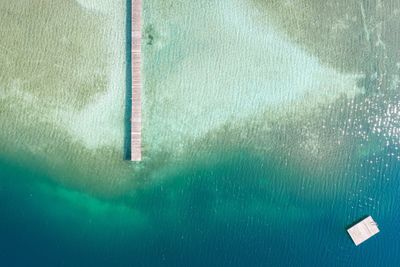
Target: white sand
[[229, 67], [101, 122], [103, 6]]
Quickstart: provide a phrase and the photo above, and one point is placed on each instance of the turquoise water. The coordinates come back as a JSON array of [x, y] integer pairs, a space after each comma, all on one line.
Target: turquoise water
[[265, 136]]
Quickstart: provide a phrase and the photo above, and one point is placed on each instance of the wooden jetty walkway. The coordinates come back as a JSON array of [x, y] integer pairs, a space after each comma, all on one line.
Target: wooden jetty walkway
[[136, 119]]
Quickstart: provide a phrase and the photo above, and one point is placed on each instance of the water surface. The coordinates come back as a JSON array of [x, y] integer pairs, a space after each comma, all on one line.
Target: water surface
[[265, 135]]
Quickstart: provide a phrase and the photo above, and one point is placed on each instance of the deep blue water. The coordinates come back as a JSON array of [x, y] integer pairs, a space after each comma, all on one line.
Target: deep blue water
[[39, 228]]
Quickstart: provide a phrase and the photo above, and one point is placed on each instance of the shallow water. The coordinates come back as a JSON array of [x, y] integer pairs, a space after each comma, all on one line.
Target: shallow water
[[262, 142]]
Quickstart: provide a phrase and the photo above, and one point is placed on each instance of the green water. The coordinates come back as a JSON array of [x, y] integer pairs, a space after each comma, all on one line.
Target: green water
[[257, 122]]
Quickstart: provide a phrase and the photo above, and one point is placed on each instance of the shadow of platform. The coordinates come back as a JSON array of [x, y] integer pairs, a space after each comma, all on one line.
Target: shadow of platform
[[128, 82]]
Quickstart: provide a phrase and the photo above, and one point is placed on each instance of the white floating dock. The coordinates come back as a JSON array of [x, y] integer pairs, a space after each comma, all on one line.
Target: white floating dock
[[363, 230]]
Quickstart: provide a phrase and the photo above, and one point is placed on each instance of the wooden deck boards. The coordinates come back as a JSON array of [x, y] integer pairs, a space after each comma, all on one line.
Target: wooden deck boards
[[136, 119]]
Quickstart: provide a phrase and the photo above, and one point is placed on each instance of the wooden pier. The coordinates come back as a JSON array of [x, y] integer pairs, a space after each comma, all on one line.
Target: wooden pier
[[136, 119]]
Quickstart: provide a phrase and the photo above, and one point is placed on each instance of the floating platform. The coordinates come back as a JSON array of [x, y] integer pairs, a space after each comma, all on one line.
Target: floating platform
[[363, 230]]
